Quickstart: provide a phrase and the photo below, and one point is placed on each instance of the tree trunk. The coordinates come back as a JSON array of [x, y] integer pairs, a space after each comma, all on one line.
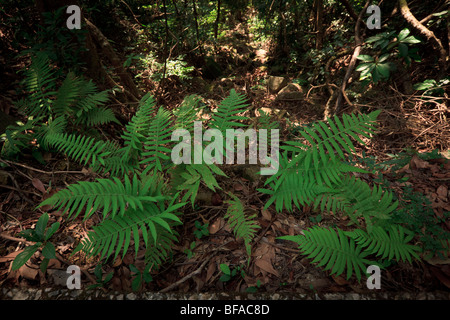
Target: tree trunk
[[216, 24], [109, 52], [435, 42], [352, 64], [319, 24]]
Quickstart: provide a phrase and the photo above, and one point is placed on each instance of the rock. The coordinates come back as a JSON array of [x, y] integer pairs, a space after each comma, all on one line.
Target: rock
[[275, 84], [292, 91], [59, 277]]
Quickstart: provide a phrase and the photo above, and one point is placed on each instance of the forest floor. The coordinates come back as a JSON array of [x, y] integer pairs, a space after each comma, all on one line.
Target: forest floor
[[275, 266]]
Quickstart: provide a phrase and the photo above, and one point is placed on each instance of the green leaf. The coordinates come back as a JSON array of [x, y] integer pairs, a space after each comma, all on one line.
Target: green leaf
[[53, 228], [365, 58], [412, 40], [49, 251], [403, 50], [24, 256], [383, 69], [44, 265], [225, 268], [403, 34], [41, 225]]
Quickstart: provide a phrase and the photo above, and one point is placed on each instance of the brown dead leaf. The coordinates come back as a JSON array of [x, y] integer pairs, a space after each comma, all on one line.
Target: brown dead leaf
[[38, 185], [27, 272], [443, 277], [266, 266], [9, 257], [417, 163], [210, 271], [266, 214], [442, 192], [216, 226], [238, 187]]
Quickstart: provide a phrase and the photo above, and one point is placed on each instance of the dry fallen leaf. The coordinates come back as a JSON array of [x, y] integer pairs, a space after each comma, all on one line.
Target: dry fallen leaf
[[266, 266], [266, 214], [9, 257], [442, 192], [38, 185], [216, 226], [417, 163]]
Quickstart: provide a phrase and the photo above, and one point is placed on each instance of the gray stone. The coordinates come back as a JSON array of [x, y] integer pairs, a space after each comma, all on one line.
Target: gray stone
[[275, 84], [292, 91], [20, 295]]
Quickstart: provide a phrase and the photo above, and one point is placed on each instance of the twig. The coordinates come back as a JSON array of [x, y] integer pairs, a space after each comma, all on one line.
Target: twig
[[187, 277], [280, 247], [38, 170]]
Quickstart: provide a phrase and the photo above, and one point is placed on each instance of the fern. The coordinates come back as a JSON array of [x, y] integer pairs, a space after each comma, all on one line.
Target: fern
[[158, 252], [187, 113], [332, 250], [114, 235], [111, 195], [156, 154], [389, 244], [80, 148], [136, 130], [333, 140], [244, 226], [188, 178], [226, 116], [357, 199]]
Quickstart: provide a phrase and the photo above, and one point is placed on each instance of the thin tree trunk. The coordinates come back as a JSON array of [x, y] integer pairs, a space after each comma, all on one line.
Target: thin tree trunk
[[349, 8], [435, 42], [352, 64], [216, 24], [108, 50], [196, 20], [319, 24]]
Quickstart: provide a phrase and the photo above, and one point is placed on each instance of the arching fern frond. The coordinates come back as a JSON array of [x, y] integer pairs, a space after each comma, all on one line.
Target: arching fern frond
[[111, 195], [136, 130], [157, 154], [226, 116], [387, 244], [358, 199], [332, 250], [114, 235], [189, 177], [243, 225], [332, 140], [80, 148]]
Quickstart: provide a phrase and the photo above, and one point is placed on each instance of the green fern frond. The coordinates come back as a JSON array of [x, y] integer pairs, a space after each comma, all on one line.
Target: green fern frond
[[80, 148], [40, 75], [114, 235], [138, 127], [358, 199], [90, 102], [265, 121], [53, 127], [111, 195], [187, 113], [387, 244], [332, 140], [332, 250], [157, 253], [243, 226], [97, 116], [67, 95], [226, 116], [189, 177], [157, 154], [39, 82]]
